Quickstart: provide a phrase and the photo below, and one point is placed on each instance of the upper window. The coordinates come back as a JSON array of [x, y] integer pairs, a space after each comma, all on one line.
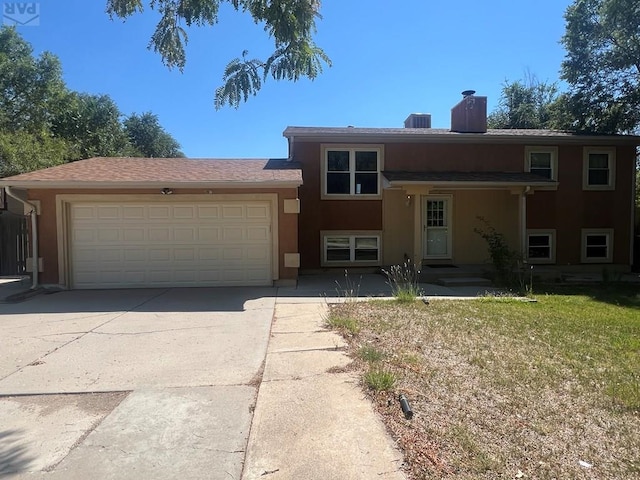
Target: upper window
[[599, 168], [597, 245], [542, 161], [352, 171]]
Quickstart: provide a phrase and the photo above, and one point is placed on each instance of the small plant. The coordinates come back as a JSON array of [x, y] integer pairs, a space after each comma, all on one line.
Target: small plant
[[350, 290], [403, 280], [380, 380], [370, 354], [346, 324], [508, 263]]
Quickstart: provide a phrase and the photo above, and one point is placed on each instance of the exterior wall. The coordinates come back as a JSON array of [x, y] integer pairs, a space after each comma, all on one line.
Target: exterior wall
[[498, 207], [321, 215], [567, 210], [570, 209], [48, 226]]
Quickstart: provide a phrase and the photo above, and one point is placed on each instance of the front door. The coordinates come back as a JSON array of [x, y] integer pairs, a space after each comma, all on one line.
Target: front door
[[436, 231]]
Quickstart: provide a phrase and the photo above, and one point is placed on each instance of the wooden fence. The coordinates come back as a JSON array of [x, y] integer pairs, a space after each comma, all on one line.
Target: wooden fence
[[14, 244]]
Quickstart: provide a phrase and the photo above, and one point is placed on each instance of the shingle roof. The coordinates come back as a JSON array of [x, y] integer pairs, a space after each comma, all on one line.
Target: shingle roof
[[123, 172], [368, 134], [464, 177]]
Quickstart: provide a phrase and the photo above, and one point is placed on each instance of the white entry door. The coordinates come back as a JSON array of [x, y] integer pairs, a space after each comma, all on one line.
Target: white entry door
[[436, 231]]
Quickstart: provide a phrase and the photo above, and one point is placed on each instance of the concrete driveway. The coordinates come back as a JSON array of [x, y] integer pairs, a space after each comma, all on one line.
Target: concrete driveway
[[157, 383]]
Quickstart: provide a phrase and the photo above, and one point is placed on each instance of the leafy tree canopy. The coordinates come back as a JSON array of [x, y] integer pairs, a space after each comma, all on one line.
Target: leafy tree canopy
[[149, 139], [529, 103], [602, 64], [289, 23], [43, 123]]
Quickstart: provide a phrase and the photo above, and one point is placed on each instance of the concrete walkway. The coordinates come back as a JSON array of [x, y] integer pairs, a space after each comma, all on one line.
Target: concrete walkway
[[310, 423]]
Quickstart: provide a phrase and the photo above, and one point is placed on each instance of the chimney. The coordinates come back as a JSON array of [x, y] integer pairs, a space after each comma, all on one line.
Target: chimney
[[470, 115], [418, 120]]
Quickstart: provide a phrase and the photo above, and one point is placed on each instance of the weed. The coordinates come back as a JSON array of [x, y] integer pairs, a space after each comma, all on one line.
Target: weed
[[370, 354], [403, 280], [379, 379], [344, 323], [350, 290]]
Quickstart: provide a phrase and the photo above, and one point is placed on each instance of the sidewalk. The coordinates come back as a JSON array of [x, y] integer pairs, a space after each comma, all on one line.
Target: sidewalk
[[310, 423]]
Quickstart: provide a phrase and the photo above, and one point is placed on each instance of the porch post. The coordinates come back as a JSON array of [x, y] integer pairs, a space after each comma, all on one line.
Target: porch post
[[417, 230], [523, 222]]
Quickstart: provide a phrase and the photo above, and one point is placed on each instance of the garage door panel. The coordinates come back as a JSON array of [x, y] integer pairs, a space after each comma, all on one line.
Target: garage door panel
[[140, 245]]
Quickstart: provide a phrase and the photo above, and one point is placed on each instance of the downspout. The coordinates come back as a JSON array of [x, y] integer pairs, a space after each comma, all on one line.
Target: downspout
[[34, 235], [523, 221]]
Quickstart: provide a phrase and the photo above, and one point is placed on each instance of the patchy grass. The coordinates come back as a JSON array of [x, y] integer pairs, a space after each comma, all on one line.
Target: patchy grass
[[506, 388], [379, 380]]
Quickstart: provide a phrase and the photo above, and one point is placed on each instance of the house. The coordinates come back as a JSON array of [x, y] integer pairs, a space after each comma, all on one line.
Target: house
[[345, 198]]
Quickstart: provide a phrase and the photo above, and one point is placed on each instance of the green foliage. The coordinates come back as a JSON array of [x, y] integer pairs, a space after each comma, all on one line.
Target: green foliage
[[43, 123], [506, 261], [344, 323], [22, 152], [148, 138], [529, 103], [289, 23], [403, 280], [370, 354], [602, 64], [379, 379]]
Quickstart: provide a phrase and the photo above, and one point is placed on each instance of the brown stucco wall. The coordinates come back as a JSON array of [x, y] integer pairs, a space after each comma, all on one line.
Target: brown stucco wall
[[570, 209], [317, 215], [567, 210], [47, 223]]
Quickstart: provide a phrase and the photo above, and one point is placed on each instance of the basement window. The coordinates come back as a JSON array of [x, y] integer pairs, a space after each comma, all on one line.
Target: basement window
[[541, 246], [597, 245], [344, 248]]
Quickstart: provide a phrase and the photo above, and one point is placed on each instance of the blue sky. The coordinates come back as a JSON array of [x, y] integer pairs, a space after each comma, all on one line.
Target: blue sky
[[389, 59]]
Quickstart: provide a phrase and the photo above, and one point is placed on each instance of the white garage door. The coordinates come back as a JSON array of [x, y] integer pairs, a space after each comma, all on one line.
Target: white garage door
[[170, 244]]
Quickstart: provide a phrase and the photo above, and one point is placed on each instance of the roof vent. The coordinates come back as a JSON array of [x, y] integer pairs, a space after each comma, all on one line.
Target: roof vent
[[418, 120], [468, 93]]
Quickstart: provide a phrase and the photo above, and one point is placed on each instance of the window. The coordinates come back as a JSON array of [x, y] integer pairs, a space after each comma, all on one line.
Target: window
[[342, 248], [541, 246], [542, 161], [352, 171], [599, 168], [597, 246]]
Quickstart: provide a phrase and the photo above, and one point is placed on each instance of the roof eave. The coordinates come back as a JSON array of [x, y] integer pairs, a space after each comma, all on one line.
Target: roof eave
[[474, 185], [411, 136], [76, 185]]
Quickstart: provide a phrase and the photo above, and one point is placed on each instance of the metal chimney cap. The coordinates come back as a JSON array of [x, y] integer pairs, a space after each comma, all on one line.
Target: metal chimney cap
[[468, 93]]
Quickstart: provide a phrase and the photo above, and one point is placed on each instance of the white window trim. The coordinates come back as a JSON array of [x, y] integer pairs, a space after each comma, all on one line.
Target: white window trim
[[583, 245], [552, 247], [352, 234], [351, 147], [554, 158], [611, 151]]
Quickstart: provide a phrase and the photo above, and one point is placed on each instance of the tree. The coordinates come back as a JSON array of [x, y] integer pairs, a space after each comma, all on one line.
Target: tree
[[529, 103], [290, 23], [92, 127], [22, 152], [31, 89], [602, 64], [148, 138]]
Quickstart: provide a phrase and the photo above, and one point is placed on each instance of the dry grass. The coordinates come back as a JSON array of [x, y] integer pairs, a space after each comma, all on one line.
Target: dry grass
[[508, 389]]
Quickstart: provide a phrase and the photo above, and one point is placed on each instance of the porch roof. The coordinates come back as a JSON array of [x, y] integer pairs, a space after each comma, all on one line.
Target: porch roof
[[469, 179]]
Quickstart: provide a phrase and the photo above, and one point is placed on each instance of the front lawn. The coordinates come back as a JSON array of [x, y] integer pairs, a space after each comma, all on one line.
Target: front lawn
[[505, 388]]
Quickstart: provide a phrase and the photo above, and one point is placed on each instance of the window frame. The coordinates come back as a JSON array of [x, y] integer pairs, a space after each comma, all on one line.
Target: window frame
[[551, 233], [586, 232], [553, 151], [352, 149], [611, 168], [352, 236]]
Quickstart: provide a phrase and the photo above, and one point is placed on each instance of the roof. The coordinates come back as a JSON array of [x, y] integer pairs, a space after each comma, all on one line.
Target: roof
[[108, 172], [442, 135]]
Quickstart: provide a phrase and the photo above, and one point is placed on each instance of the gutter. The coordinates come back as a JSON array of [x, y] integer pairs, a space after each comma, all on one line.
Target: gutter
[[34, 235]]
